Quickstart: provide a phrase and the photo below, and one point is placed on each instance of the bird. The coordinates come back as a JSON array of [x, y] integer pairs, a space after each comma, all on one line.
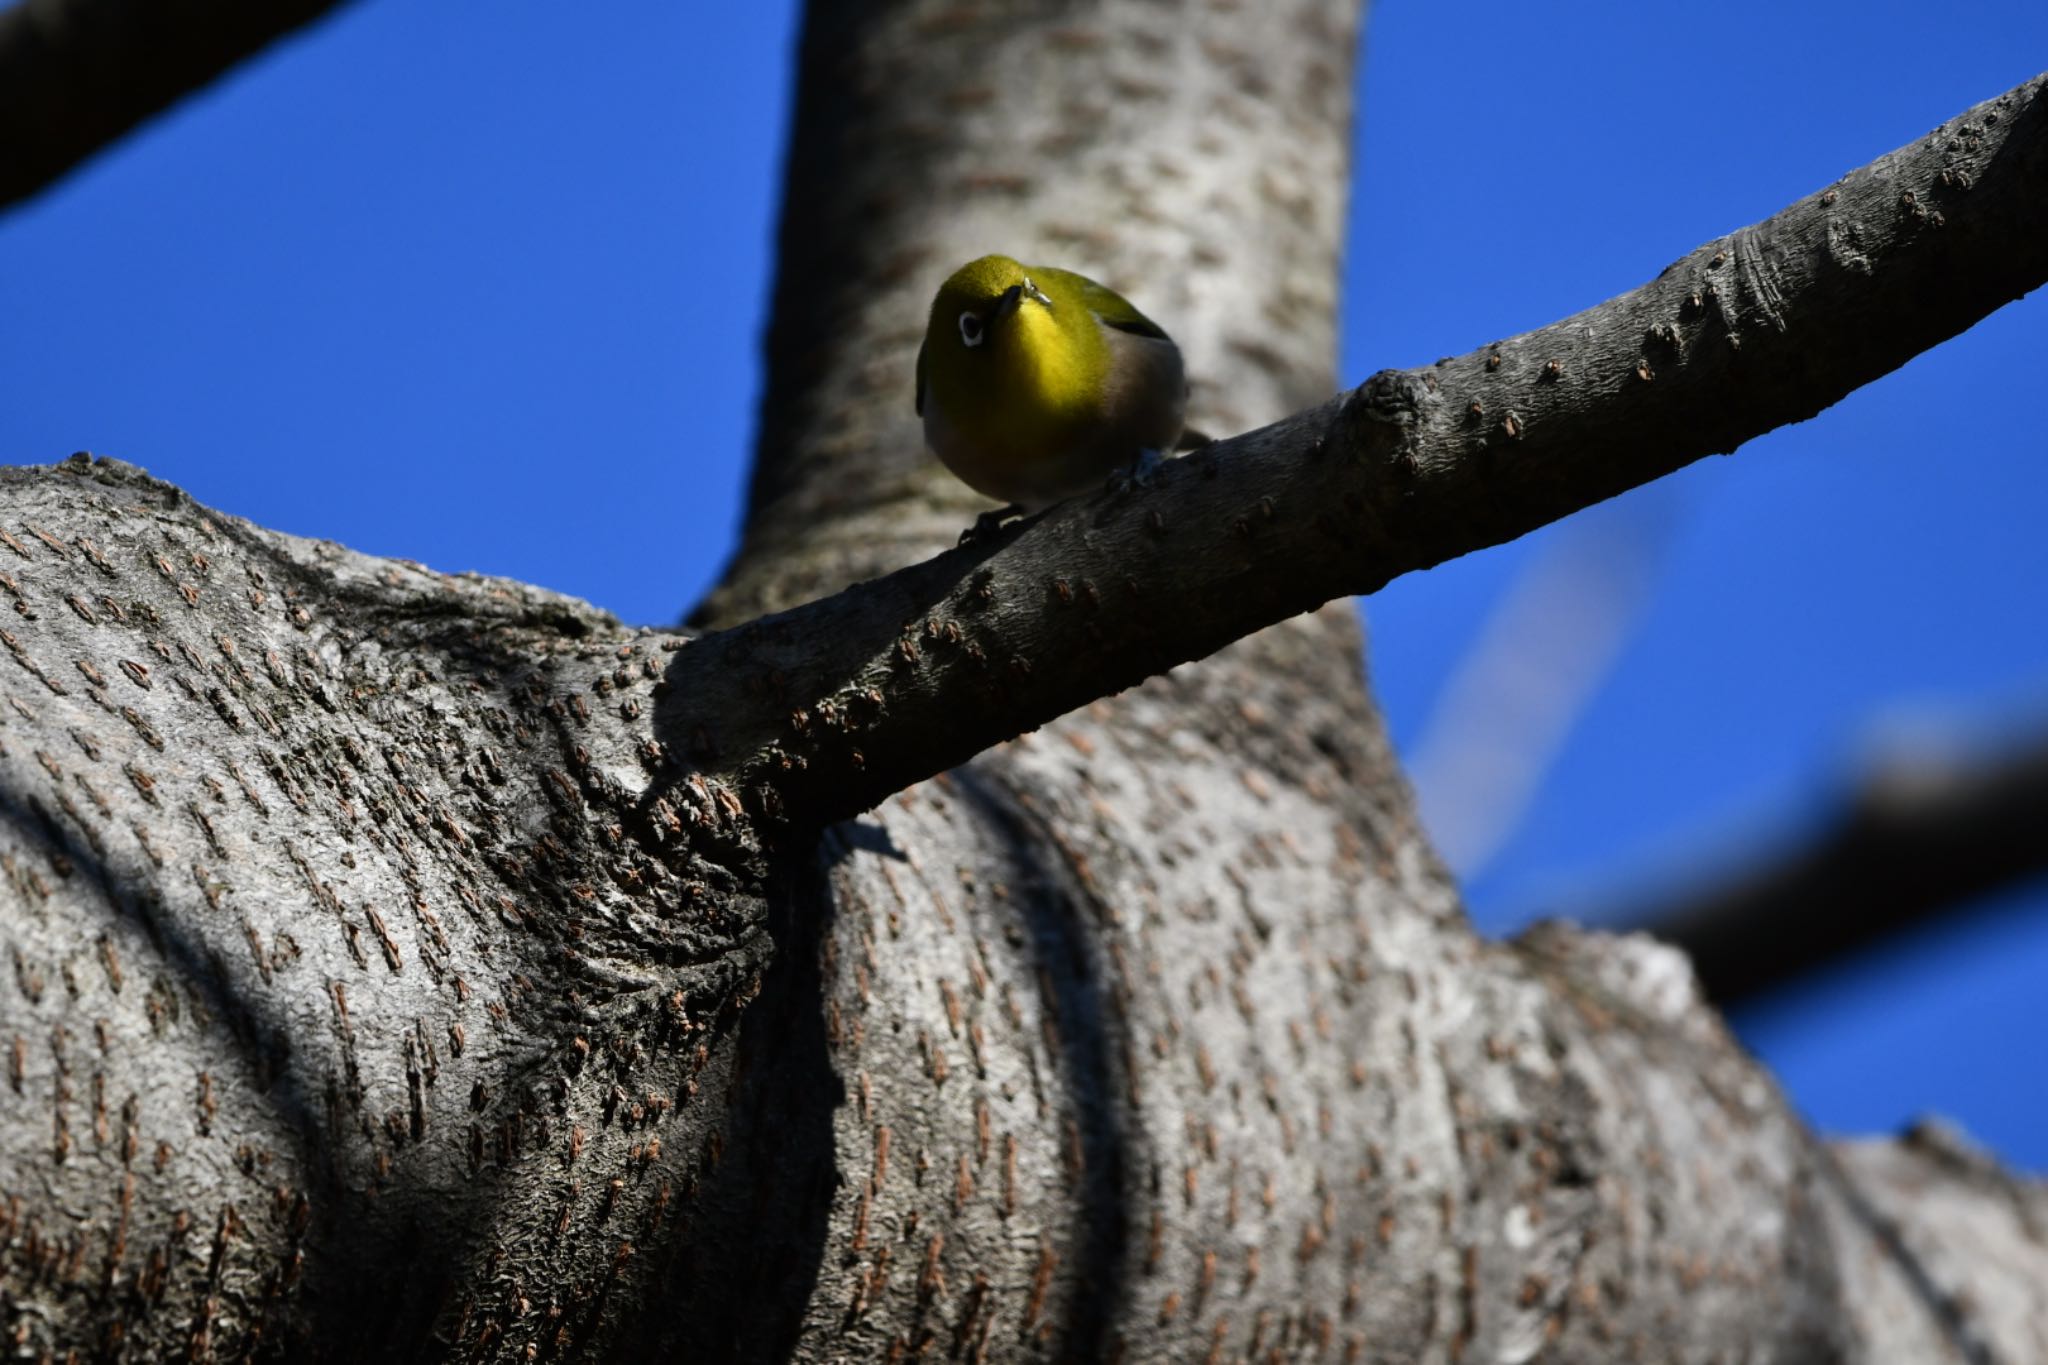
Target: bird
[[1037, 384]]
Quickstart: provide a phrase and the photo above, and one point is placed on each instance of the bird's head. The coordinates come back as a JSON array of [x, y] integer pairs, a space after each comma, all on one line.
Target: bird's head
[[977, 307]]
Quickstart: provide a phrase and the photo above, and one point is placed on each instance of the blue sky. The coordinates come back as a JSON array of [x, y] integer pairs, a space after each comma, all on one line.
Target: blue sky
[[488, 294]]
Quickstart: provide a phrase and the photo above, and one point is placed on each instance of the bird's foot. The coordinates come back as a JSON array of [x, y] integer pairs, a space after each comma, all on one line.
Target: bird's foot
[[1137, 474], [988, 523]]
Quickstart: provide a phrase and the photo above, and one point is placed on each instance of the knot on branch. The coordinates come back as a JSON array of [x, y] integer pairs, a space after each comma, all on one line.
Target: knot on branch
[[1391, 397], [1382, 417], [1651, 979]]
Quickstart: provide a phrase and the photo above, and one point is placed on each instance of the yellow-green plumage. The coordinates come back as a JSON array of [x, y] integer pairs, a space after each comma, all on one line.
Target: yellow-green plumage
[[1036, 384]]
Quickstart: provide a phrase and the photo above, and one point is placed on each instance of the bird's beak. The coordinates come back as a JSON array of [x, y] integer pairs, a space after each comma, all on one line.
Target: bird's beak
[[1007, 304]]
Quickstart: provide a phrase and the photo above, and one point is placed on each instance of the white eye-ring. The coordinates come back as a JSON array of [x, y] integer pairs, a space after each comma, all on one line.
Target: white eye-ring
[[970, 329]]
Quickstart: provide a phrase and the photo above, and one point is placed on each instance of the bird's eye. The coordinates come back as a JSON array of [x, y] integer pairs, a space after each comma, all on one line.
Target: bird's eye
[[970, 329]]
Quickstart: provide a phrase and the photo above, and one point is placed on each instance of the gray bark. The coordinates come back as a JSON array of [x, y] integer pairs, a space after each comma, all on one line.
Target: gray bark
[[406, 966], [901, 677]]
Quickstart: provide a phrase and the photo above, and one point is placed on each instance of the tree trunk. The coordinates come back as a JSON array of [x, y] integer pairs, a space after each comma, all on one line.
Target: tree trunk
[[394, 972]]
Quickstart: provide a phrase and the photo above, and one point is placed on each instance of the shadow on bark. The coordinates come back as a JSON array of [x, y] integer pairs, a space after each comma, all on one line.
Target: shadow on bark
[[1062, 946], [264, 1043], [334, 1316], [743, 1272]]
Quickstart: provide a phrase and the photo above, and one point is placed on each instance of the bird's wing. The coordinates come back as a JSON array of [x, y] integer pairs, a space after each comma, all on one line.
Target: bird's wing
[[920, 378], [1113, 308]]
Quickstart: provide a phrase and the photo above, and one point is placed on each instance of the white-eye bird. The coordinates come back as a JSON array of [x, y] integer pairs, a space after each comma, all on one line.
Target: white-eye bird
[[1037, 384]]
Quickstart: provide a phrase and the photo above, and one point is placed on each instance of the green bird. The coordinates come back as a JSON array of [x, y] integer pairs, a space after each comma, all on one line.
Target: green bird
[[1037, 384]]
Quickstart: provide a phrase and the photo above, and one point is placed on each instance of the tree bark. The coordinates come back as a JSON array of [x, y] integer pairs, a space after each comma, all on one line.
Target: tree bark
[[411, 966], [904, 676]]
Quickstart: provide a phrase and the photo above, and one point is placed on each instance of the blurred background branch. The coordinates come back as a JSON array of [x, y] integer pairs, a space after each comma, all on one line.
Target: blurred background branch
[[1933, 824], [1927, 830], [1510, 704], [77, 74]]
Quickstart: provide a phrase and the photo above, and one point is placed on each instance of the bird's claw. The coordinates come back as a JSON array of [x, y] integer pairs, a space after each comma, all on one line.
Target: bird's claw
[[1138, 474], [988, 523]]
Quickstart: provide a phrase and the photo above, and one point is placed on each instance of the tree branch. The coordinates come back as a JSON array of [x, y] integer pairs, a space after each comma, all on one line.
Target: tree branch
[[1961, 1232], [1919, 837], [830, 707], [77, 74]]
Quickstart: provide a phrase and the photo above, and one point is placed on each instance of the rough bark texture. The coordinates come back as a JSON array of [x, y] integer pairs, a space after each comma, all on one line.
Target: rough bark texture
[[412, 966], [77, 74], [332, 1006], [906, 675]]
